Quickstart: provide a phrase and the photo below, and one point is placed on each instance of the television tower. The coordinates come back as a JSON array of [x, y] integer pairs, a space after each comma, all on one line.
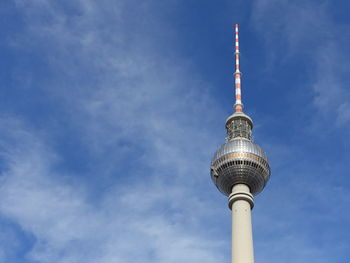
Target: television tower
[[240, 170]]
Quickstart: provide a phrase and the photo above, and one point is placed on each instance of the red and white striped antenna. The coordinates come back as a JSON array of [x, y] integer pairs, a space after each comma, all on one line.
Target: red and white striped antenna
[[238, 105]]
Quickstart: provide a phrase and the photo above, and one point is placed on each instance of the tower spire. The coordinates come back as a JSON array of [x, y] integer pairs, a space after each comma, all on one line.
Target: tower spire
[[238, 105]]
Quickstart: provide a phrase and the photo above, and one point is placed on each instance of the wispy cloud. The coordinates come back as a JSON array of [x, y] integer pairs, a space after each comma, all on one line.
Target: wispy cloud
[[144, 124], [303, 37], [117, 97], [309, 36], [68, 226]]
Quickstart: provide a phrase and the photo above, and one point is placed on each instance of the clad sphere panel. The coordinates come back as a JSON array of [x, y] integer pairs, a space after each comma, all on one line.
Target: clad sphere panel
[[240, 161]]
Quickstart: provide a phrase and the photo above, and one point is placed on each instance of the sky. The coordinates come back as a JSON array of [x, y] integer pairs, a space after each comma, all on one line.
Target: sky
[[111, 110]]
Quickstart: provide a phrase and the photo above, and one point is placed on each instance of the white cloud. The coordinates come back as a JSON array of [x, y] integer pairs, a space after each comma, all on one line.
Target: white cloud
[[128, 95], [123, 227], [122, 95], [308, 34]]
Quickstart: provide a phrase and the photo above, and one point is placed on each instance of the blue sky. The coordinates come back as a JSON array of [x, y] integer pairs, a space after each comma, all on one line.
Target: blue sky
[[110, 112]]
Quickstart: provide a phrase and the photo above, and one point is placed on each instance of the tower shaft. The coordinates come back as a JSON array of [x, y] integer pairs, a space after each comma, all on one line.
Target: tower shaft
[[242, 234]]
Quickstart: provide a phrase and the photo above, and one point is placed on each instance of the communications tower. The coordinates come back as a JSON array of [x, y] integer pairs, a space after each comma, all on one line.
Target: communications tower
[[240, 170]]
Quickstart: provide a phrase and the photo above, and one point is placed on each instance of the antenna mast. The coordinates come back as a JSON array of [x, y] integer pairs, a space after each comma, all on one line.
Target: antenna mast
[[238, 105]]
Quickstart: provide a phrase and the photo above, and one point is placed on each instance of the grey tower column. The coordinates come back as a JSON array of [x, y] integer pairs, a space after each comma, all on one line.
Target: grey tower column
[[241, 202]]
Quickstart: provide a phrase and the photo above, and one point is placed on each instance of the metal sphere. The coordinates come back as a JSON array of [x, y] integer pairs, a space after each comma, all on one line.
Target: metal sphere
[[240, 161]]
